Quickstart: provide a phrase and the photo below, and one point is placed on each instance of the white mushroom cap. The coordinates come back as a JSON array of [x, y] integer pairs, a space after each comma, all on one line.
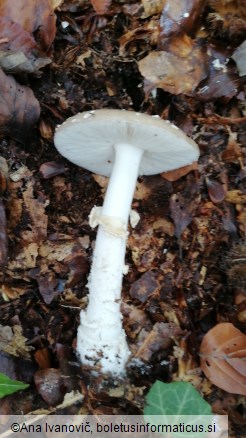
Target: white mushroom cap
[[87, 139]]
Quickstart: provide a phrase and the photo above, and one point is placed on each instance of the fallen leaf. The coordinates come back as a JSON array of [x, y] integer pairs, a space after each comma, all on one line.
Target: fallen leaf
[[25, 257], [19, 108], [160, 338], [236, 267], [182, 211], [180, 16], [47, 283], [69, 369], [135, 320], [241, 218], [56, 4], [51, 169], [152, 7], [174, 175], [145, 247], [34, 16], [27, 213], [148, 31], [4, 175], [101, 180], [141, 191], [147, 285], [223, 358], [21, 173], [50, 385], [14, 38], [3, 236], [227, 19], [38, 218], [219, 84], [45, 129], [235, 197], [17, 368], [13, 342], [216, 191], [9, 386], [222, 81], [81, 58], [164, 69], [164, 226], [42, 357], [18, 49], [58, 251], [239, 56], [11, 293], [233, 152], [100, 6]]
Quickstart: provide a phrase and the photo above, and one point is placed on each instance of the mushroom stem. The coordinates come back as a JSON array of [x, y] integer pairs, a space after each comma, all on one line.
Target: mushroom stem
[[101, 338]]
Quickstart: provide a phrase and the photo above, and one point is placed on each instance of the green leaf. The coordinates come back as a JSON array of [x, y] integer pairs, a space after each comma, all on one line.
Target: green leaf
[[177, 402], [176, 398], [9, 386]]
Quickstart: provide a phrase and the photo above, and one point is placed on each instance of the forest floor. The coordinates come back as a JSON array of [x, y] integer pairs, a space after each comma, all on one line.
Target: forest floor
[[181, 60]]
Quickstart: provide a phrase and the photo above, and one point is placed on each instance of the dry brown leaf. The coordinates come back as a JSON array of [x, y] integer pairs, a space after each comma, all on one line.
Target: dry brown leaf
[[152, 7], [14, 206], [239, 56], [223, 358], [19, 108], [142, 191], [241, 217], [4, 175], [164, 226], [149, 30], [145, 247], [235, 197], [148, 284], [18, 49], [233, 152], [29, 213], [36, 211], [42, 357], [178, 70], [174, 175], [51, 169], [101, 180], [135, 320], [25, 258], [222, 79], [236, 267], [216, 191], [56, 251], [13, 342], [45, 129], [50, 385], [11, 293], [3, 236], [182, 212], [15, 38], [100, 6], [160, 338], [47, 283], [34, 16], [12, 62], [228, 18], [180, 15], [56, 4]]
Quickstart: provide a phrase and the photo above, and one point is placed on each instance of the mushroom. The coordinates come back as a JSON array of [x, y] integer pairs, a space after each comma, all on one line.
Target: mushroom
[[122, 145]]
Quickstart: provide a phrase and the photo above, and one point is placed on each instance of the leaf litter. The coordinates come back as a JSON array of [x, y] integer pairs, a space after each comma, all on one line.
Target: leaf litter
[[185, 278]]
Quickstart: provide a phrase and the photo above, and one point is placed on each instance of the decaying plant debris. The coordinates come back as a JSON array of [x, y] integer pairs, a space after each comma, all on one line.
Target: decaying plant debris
[[186, 257]]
